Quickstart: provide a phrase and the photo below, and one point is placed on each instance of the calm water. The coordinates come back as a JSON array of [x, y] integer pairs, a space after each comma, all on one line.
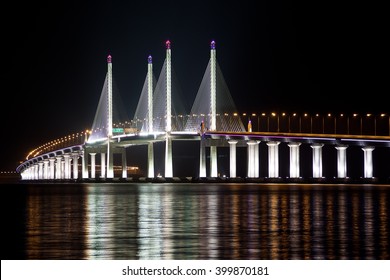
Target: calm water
[[195, 221]]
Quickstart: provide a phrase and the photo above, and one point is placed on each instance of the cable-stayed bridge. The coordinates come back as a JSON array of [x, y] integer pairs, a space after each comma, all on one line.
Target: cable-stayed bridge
[[212, 123]]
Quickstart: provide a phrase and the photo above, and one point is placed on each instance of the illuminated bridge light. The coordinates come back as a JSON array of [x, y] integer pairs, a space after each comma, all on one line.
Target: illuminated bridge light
[[212, 45]]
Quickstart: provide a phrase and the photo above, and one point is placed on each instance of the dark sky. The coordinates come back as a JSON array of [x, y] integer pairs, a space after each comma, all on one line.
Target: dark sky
[[312, 56]]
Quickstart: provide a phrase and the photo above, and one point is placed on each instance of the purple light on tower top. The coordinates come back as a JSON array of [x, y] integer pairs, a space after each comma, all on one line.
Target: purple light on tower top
[[150, 59], [168, 44], [109, 59], [212, 45]]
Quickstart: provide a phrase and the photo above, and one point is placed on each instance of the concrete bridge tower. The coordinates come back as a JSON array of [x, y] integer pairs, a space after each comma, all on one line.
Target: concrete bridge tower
[[150, 118], [110, 161], [168, 127], [213, 107]]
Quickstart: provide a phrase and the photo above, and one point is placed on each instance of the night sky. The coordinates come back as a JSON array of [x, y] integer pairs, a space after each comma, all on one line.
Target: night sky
[[276, 56]]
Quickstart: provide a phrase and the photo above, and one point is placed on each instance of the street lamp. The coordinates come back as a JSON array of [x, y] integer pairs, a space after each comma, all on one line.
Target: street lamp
[[305, 115], [273, 115], [254, 115], [368, 116], [264, 115], [299, 121], [284, 121]]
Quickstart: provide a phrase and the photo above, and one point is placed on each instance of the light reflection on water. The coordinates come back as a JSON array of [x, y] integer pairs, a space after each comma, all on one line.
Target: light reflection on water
[[200, 221]]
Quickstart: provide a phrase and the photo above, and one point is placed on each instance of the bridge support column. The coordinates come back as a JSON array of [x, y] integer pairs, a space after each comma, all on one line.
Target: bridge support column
[[58, 167], [23, 174], [168, 156], [273, 159], [40, 170], [124, 163], [257, 165], [233, 157], [93, 165], [46, 169], [253, 158], [103, 165], [84, 164], [213, 161], [32, 170], [294, 159], [62, 168], [75, 166], [202, 158], [27, 173], [52, 168], [36, 171], [317, 159], [110, 160], [368, 166], [342, 161], [150, 160], [30, 173], [67, 166]]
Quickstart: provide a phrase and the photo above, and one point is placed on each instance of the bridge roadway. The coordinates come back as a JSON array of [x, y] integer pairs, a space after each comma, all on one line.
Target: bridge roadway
[[63, 164]]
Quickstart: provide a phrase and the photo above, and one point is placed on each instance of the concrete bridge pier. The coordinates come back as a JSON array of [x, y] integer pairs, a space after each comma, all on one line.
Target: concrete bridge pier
[[273, 159], [52, 168], [40, 170], [233, 161], [317, 159], [66, 166], [150, 160], [102, 165], [110, 160], [93, 165], [253, 159], [168, 156], [75, 165], [368, 162], [45, 169], [202, 158], [341, 161], [124, 163], [84, 164], [294, 159], [213, 161], [58, 167]]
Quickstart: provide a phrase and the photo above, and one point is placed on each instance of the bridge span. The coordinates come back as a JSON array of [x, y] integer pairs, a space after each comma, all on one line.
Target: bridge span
[[64, 164], [219, 145]]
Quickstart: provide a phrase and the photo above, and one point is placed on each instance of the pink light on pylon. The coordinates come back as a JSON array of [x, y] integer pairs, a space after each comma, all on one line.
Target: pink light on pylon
[[212, 44]]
